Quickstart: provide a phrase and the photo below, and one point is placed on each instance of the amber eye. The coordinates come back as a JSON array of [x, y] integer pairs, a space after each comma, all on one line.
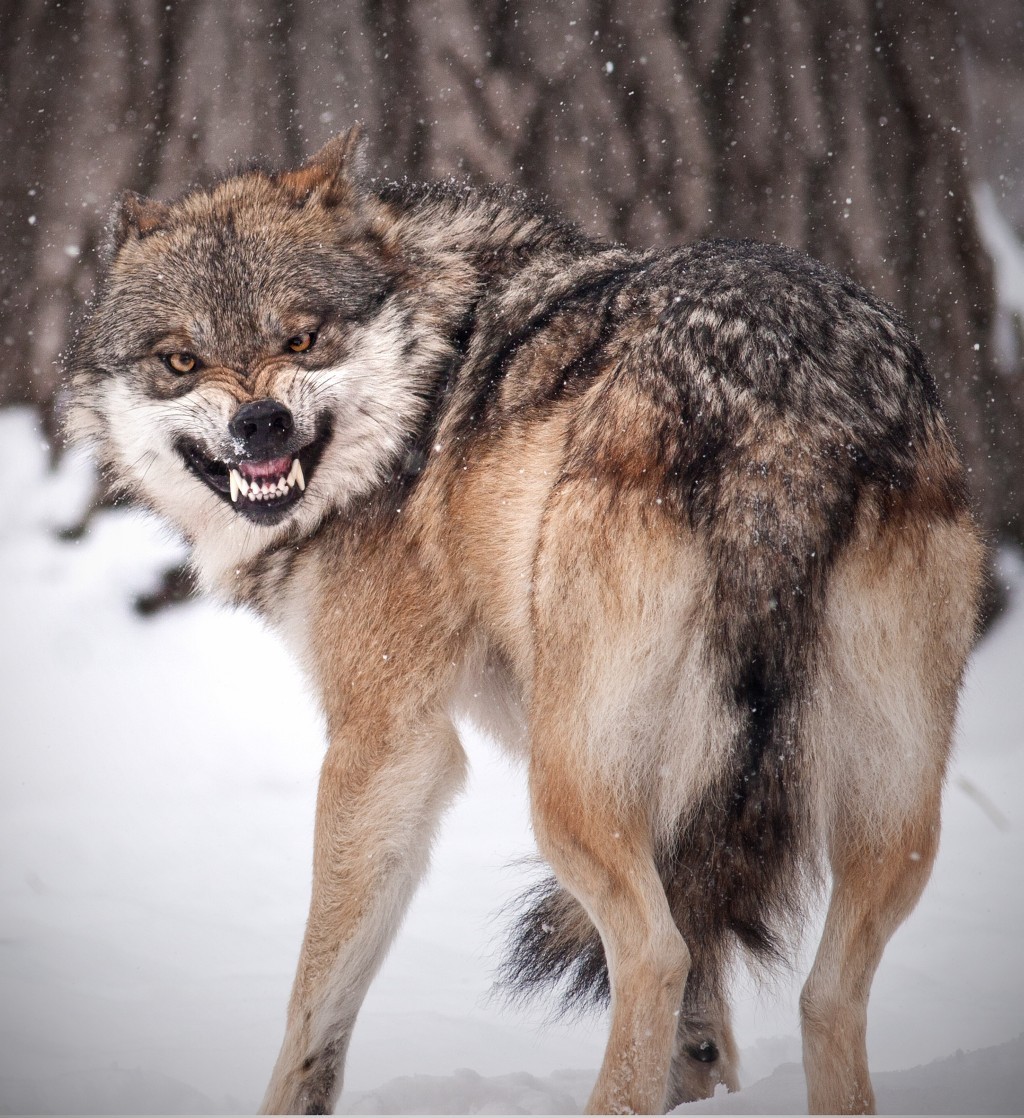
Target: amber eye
[[181, 362], [301, 342]]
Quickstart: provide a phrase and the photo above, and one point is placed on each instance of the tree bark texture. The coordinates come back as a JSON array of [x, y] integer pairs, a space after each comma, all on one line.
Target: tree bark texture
[[836, 127]]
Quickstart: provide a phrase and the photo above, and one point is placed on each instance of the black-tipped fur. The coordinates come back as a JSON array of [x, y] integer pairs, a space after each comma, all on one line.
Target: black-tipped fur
[[749, 337]]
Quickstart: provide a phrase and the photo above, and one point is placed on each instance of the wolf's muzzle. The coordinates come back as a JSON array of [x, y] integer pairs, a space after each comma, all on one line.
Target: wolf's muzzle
[[267, 472]]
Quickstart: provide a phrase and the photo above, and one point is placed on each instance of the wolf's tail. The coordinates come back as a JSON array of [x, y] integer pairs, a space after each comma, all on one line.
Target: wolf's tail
[[735, 867]]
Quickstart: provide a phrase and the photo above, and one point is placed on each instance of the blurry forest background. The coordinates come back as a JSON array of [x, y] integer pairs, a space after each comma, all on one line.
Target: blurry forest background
[[861, 130]]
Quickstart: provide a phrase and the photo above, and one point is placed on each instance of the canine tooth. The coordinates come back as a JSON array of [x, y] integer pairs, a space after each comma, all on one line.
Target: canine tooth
[[295, 475], [238, 485]]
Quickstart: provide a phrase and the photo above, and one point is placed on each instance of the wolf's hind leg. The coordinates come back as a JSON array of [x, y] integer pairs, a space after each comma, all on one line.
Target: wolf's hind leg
[[900, 625], [601, 852], [619, 747], [705, 1053], [875, 887]]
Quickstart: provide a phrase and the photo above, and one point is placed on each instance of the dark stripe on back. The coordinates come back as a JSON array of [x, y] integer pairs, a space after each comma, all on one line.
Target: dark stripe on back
[[492, 369]]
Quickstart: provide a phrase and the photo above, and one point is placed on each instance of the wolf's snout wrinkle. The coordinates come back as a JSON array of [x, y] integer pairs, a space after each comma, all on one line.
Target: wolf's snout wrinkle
[[263, 427]]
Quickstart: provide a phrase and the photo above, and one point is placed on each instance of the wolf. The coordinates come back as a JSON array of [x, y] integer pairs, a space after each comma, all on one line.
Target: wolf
[[685, 528]]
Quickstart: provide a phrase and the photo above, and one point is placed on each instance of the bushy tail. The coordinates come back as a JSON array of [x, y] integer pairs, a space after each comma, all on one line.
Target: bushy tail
[[735, 869]]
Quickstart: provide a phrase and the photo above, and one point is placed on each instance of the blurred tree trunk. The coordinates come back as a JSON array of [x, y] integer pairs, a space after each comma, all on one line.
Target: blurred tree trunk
[[838, 128]]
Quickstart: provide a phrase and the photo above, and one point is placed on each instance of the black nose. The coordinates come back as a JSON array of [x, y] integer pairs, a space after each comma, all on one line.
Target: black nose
[[262, 427]]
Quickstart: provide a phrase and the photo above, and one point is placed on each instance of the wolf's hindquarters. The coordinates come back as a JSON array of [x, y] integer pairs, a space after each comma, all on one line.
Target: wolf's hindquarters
[[702, 641], [738, 718], [664, 770]]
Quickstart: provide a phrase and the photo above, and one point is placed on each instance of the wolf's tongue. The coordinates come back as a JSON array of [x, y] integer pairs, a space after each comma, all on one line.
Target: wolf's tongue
[[271, 468]]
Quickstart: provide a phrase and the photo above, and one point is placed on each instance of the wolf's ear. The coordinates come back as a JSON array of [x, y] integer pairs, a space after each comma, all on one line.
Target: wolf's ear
[[344, 155], [135, 216], [335, 174]]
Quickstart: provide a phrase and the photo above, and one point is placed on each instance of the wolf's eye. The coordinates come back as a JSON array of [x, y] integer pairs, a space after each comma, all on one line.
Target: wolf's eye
[[181, 362], [301, 342]]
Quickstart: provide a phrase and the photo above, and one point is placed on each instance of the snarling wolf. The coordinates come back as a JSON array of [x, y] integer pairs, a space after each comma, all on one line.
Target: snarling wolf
[[689, 519]]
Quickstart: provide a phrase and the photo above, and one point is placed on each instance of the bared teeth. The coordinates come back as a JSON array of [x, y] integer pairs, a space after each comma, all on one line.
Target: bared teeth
[[267, 490]]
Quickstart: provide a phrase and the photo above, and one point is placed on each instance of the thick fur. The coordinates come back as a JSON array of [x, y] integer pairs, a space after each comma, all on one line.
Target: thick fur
[[686, 526]]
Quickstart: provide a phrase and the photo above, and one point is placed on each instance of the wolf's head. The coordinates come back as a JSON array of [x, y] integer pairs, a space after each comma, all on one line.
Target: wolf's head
[[256, 356]]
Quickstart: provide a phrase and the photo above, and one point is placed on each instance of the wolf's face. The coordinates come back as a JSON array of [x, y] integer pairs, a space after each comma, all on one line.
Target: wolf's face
[[250, 364]]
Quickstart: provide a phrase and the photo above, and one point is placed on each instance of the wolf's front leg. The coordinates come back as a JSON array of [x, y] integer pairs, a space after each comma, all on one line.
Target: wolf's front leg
[[381, 794]]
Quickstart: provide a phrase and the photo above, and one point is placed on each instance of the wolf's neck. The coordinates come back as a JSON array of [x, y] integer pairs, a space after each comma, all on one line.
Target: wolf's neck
[[478, 238]]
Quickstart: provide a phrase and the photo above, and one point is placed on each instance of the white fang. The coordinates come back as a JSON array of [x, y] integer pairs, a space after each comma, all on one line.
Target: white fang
[[238, 485], [295, 475]]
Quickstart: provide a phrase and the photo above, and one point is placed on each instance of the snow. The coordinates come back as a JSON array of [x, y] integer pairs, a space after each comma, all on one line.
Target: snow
[[157, 782]]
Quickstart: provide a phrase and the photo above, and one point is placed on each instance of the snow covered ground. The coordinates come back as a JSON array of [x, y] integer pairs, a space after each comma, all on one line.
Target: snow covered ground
[[156, 796]]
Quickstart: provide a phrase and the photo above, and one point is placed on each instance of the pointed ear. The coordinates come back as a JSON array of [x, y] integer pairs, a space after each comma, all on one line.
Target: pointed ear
[[135, 216], [335, 174], [344, 155]]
